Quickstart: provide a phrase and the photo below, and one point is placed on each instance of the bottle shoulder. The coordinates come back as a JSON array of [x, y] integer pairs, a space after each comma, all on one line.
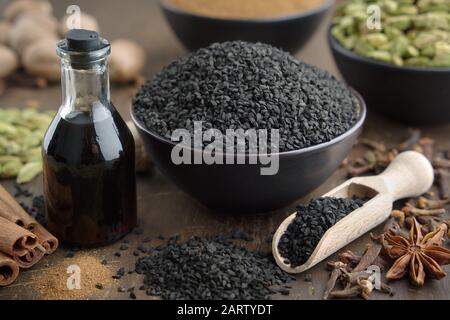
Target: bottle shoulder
[[80, 139]]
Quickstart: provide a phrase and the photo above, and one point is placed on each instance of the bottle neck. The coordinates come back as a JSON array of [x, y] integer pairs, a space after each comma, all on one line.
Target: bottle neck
[[84, 89]]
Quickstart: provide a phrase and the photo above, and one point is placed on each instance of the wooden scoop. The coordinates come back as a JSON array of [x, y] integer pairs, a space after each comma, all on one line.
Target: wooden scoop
[[409, 175]]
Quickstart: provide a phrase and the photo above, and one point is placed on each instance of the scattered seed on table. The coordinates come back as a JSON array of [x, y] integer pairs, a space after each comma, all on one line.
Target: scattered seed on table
[[209, 268], [69, 254], [117, 254], [120, 273], [99, 286], [132, 295], [104, 262], [123, 247], [284, 292], [121, 289], [142, 248]]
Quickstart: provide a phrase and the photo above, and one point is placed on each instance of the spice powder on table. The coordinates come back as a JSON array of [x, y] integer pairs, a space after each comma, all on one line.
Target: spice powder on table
[[238, 9], [51, 283]]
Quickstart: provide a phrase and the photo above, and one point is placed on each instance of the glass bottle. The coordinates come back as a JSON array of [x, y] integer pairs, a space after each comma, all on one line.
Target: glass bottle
[[88, 151]]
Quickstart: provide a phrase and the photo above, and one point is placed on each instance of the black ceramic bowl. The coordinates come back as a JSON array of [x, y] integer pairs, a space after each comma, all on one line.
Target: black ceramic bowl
[[413, 95], [288, 32], [240, 188]]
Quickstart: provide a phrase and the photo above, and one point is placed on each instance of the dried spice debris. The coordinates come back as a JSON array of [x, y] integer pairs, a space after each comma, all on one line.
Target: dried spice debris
[[240, 85], [210, 268], [310, 224]]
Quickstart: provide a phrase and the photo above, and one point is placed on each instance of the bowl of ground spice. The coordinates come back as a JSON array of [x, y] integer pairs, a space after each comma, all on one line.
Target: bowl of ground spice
[[286, 24], [399, 64], [290, 125]]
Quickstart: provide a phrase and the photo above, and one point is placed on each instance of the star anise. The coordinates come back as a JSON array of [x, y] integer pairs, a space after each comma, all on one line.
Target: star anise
[[422, 255]]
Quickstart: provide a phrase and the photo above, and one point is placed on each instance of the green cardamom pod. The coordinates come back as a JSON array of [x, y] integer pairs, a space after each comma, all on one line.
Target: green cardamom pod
[[380, 55], [28, 172], [8, 130], [32, 155], [6, 159], [400, 22], [407, 10], [376, 40], [11, 169]]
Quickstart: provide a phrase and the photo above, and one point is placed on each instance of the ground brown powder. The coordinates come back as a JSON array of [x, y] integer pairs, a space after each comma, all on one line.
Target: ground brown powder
[[51, 283], [239, 9]]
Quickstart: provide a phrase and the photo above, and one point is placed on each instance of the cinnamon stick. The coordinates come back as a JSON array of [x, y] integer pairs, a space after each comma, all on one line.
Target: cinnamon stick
[[9, 270], [46, 239], [20, 244], [11, 210]]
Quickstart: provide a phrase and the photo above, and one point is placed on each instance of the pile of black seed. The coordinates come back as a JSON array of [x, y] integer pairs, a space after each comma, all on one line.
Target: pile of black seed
[[310, 224], [210, 268], [244, 85]]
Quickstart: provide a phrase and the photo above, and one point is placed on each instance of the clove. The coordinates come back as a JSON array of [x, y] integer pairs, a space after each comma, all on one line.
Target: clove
[[399, 216], [443, 177], [381, 147], [351, 278], [413, 139], [337, 271], [441, 163], [430, 223], [410, 210], [349, 258], [393, 227], [363, 288], [355, 171], [428, 204], [427, 147]]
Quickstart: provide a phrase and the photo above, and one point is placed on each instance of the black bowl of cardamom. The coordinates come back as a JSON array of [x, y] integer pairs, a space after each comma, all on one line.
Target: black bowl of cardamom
[[399, 64], [412, 95], [285, 24]]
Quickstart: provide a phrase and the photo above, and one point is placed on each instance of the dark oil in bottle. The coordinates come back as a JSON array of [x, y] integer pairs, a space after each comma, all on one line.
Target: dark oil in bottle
[[89, 180]]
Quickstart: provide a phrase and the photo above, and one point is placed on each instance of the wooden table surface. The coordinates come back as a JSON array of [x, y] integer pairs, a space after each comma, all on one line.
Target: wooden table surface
[[163, 208]]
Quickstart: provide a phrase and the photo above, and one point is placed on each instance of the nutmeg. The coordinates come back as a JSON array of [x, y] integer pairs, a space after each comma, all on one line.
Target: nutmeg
[[9, 61], [18, 7], [26, 32], [5, 29], [126, 61], [40, 59]]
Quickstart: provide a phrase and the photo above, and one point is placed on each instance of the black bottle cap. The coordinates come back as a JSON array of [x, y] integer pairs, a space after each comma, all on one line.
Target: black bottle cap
[[83, 40]]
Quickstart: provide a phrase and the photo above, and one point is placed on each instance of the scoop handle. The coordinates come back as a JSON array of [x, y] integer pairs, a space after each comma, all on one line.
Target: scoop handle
[[409, 175]]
